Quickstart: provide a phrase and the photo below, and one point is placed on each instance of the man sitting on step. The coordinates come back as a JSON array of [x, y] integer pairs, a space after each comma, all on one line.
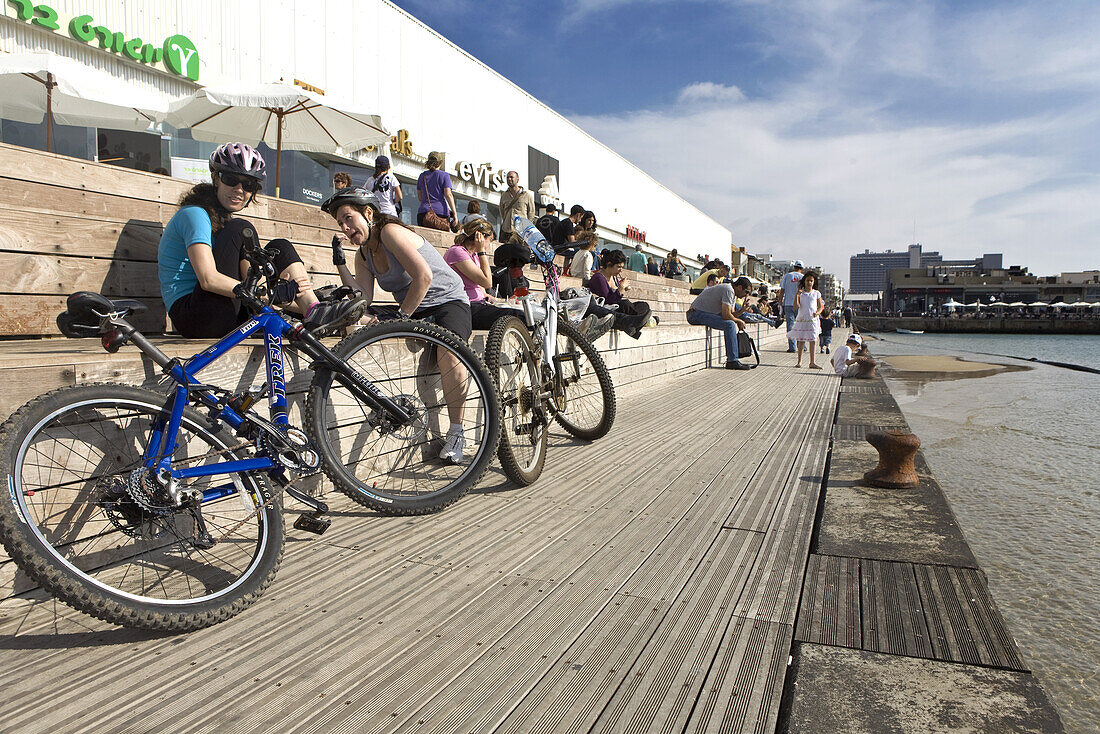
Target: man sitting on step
[[716, 307]]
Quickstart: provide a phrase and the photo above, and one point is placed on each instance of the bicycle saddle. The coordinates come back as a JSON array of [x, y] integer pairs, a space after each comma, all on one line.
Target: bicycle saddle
[[84, 310]]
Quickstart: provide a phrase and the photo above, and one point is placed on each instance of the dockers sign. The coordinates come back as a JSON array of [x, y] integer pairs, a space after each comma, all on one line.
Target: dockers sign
[[177, 54]]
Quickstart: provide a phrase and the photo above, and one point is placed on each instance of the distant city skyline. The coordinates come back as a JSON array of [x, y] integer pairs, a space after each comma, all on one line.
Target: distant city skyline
[[816, 130]]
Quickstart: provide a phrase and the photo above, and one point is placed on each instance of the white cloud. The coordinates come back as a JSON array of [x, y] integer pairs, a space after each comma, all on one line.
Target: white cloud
[[826, 165], [702, 92]]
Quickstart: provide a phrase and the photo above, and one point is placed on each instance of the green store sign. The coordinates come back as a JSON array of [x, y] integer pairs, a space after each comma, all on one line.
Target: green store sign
[[177, 54]]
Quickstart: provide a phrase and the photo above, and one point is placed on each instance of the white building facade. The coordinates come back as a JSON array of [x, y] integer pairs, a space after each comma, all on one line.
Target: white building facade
[[367, 56]]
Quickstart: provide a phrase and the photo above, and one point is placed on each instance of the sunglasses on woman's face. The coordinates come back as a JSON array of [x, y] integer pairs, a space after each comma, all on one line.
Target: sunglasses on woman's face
[[250, 185]]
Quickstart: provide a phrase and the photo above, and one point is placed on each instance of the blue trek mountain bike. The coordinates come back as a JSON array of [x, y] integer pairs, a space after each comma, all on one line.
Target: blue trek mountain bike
[[164, 511]]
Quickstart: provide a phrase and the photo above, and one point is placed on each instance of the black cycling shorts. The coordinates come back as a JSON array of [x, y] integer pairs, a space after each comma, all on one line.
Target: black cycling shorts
[[204, 315], [484, 314], [451, 315]]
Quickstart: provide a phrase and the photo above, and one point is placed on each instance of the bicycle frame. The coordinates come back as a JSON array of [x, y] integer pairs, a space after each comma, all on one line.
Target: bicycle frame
[[159, 459], [549, 323], [163, 441]]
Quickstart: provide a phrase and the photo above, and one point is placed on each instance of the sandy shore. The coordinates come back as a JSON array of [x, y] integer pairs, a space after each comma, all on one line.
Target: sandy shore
[[938, 363]]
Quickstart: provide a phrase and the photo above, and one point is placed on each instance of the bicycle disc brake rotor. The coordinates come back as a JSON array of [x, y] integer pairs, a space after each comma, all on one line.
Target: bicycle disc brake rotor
[[417, 426]]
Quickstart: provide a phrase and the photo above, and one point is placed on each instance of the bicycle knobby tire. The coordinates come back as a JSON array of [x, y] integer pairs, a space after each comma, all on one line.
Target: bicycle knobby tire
[[511, 358], [396, 471], [56, 453], [589, 410]]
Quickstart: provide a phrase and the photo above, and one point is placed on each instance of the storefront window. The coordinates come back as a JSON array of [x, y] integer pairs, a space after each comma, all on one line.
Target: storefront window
[[302, 178], [139, 151], [78, 142]]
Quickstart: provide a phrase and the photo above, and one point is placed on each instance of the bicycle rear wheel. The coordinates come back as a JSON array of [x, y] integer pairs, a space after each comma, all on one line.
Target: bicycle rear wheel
[[510, 356], [86, 522], [396, 469], [587, 403]]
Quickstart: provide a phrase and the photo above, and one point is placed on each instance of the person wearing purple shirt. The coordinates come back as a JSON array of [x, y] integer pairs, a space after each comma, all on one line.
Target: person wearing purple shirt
[[434, 190], [631, 316]]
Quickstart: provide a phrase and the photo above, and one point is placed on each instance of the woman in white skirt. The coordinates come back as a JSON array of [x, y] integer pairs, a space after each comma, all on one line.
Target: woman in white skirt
[[806, 327]]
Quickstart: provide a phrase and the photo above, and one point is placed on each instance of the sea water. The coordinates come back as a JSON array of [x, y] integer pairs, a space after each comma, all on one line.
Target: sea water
[[1018, 455]]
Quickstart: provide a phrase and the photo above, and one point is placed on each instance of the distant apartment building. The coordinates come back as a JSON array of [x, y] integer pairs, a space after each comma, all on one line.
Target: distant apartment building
[[832, 290], [983, 281], [1086, 277], [743, 262], [867, 270]]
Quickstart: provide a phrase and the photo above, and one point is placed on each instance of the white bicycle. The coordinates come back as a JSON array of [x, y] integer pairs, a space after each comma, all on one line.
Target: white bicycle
[[545, 371]]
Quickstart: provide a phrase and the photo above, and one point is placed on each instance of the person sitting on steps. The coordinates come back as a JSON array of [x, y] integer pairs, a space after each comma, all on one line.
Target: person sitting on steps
[[201, 256], [609, 284], [716, 307]]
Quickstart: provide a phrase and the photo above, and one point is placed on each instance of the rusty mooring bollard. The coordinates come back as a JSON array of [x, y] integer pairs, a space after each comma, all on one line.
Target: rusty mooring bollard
[[895, 469]]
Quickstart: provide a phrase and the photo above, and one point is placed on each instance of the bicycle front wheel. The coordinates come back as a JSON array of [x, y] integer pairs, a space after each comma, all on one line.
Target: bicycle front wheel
[[510, 356], [586, 406], [438, 380], [85, 520]]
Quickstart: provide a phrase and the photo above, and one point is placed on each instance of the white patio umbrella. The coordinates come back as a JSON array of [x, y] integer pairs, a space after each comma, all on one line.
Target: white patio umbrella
[[37, 85], [998, 303], [1081, 304], [1037, 304], [975, 304], [953, 303], [1017, 304], [1059, 304], [280, 115]]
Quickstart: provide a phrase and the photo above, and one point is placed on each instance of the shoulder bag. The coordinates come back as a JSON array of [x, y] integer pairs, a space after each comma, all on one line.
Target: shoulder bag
[[431, 219]]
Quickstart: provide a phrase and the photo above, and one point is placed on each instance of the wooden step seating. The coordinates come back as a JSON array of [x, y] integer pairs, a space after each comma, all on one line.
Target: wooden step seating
[[68, 224]]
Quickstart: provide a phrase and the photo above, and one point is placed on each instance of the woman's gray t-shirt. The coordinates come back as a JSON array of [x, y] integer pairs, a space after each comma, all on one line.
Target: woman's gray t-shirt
[[445, 286]]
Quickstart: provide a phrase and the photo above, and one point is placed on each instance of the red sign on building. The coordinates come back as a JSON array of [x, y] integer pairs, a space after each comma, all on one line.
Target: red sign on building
[[633, 233]]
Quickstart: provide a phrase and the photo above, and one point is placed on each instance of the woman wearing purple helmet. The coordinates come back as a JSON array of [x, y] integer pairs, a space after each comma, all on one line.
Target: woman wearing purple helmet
[[200, 259]]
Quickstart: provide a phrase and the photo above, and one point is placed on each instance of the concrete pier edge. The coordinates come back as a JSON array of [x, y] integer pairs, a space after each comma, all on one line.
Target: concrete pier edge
[[882, 644]]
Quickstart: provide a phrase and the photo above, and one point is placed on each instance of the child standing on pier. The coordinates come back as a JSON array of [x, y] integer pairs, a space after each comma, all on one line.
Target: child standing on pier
[[826, 337], [806, 329]]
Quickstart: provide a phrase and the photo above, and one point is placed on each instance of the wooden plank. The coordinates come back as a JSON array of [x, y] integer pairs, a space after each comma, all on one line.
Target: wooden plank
[[745, 684], [59, 234], [965, 625], [658, 690], [773, 591], [829, 612], [30, 315], [60, 276], [893, 617]]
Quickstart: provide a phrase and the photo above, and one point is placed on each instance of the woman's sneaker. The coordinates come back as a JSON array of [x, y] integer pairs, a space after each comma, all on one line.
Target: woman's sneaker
[[453, 446], [600, 325], [326, 317]]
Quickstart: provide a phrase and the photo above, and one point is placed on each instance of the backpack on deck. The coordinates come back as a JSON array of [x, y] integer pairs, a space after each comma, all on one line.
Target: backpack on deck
[[746, 347]]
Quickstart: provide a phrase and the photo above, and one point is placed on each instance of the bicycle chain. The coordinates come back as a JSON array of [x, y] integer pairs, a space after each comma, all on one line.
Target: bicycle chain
[[266, 505]]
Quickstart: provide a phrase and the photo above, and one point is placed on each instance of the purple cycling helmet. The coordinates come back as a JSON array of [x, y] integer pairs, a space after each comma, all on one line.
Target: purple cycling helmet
[[238, 158]]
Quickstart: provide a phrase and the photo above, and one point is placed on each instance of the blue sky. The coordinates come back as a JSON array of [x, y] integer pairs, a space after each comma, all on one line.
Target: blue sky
[[820, 128]]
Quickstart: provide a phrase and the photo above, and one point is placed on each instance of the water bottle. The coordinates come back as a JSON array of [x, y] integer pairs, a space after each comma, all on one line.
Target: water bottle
[[534, 239]]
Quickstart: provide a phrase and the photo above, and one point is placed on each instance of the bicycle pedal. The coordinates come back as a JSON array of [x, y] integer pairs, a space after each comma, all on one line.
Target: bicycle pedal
[[312, 524]]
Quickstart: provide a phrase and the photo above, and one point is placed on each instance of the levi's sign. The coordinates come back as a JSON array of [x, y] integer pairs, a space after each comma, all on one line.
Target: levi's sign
[[482, 175], [177, 54]]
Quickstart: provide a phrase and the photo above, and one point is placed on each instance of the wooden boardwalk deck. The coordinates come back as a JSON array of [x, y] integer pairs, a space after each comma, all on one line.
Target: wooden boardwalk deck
[[647, 582]]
